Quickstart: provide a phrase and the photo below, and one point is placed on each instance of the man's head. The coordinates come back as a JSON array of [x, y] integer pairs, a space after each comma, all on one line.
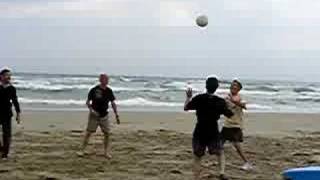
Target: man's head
[[235, 87], [5, 76], [104, 79], [212, 84]]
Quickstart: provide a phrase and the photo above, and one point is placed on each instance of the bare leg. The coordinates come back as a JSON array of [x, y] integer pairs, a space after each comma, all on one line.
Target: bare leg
[[222, 162], [87, 136], [106, 145], [86, 141], [196, 167], [240, 152]]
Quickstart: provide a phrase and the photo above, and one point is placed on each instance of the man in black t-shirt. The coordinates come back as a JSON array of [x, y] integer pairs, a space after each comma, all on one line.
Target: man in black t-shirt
[[209, 108], [98, 101], [8, 96]]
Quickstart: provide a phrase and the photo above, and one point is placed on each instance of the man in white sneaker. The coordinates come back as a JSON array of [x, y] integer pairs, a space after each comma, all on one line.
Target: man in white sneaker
[[233, 127]]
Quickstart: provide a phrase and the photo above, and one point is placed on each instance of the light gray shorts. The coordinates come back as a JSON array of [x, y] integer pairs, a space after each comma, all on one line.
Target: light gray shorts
[[94, 121]]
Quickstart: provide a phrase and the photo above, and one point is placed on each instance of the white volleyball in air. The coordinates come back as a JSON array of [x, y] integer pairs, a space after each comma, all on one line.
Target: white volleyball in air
[[202, 21]]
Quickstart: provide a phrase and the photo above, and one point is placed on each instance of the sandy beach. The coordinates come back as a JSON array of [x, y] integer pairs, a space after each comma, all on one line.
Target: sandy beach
[[155, 145]]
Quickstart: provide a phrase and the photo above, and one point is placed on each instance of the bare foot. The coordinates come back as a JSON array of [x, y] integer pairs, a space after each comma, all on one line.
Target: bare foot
[[107, 155], [223, 177], [196, 175]]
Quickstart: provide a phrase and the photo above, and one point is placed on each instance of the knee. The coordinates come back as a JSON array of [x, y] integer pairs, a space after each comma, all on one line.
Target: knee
[[106, 134], [236, 145], [7, 131], [198, 154], [88, 134], [216, 152]]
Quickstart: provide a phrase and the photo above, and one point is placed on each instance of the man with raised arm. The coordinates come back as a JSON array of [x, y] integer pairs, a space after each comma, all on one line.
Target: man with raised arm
[[206, 135]]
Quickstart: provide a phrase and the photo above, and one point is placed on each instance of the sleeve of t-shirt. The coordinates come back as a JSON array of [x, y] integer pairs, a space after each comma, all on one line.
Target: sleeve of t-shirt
[[112, 97], [15, 100], [225, 110], [194, 103], [90, 94]]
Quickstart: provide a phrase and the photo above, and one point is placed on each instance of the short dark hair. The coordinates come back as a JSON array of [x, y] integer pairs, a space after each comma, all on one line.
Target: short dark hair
[[238, 83], [212, 84], [4, 71]]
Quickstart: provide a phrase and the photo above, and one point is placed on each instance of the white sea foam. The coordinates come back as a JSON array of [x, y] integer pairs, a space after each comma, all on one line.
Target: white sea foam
[[128, 102]]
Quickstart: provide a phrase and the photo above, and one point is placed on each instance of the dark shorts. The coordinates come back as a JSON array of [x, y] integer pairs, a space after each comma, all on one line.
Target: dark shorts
[[200, 145], [232, 134]]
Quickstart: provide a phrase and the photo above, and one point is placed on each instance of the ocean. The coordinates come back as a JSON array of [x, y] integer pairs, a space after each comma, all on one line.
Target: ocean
[[137, 93]]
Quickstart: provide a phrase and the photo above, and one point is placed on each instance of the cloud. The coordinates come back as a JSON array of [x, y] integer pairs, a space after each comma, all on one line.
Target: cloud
[[178, 13], [171, 12], [67, 8], [164, 12], [246, 30]]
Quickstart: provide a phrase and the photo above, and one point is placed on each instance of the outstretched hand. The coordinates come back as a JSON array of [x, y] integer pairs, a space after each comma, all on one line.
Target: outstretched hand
[[18, 119], [189, 93], [94, 112], [243, 105]]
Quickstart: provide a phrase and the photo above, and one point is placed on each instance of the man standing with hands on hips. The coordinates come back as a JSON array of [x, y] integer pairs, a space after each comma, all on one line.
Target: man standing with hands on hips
[[8, 96], [98, 104]]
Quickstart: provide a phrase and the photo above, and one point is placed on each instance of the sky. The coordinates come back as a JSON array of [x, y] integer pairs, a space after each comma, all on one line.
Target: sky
[[265, 39]]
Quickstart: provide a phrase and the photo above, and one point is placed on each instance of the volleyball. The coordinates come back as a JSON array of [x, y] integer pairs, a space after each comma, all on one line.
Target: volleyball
[[202, 21]]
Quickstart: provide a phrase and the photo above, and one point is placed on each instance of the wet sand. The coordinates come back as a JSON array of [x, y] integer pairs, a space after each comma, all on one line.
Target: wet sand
[[155, 146], [261, 124]]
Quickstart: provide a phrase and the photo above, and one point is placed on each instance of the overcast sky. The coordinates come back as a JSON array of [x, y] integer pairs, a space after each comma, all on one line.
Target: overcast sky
[[265, 39]]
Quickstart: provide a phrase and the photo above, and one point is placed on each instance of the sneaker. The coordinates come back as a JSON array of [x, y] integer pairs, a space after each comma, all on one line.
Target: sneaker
[[82, 153], [223, 177], [4, 157], [247, 166]]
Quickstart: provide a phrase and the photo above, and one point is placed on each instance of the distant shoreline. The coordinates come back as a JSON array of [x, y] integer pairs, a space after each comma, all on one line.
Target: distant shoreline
[[221, 78]]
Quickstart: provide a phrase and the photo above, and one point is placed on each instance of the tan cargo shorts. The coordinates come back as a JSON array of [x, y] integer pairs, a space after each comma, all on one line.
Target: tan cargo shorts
[[94, 121]]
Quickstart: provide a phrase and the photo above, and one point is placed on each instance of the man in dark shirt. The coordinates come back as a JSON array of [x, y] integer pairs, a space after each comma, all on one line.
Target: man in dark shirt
[[209, 108], [8, 96], [98, 101]]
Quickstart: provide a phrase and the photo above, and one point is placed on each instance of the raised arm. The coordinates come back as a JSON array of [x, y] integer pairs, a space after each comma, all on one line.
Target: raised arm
[[240, 104], [188, 100], [226, 111], [191, 103]]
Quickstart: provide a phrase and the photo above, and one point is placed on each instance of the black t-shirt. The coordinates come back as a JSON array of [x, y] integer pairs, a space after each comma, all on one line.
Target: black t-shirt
[[8, 96], [208, 108], [100, 99]]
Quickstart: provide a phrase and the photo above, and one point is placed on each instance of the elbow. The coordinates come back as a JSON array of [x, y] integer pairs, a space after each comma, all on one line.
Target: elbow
[[88, 103]]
